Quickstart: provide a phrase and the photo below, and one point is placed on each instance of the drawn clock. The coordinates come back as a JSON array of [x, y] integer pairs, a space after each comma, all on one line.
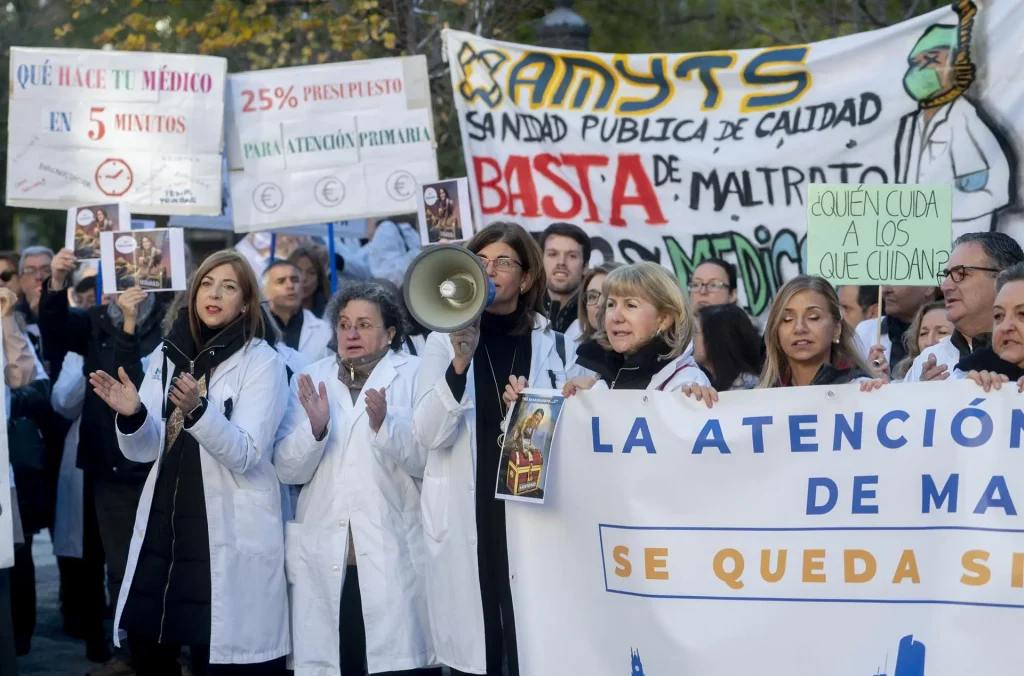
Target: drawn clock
[[114, 177]]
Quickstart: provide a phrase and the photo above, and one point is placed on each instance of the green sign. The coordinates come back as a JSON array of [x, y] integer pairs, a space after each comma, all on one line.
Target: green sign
[[879, 234]]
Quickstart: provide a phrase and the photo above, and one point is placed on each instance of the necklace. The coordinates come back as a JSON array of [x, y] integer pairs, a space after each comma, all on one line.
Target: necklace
[[501, 402]]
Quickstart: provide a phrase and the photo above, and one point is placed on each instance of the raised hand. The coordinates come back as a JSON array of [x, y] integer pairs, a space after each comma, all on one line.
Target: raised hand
[[876, 357], [129, 302], [7, 302], [315, 403], [933, 370], [120, 395], [465, 342], [184, 393], [376, 408], [62, 265], [512, 390]]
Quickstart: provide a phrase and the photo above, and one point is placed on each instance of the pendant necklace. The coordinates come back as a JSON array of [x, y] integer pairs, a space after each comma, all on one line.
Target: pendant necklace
[[501, 402]]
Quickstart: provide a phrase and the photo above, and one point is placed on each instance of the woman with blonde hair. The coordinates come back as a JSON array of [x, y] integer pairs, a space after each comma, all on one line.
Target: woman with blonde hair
[[930, 325], [645, 339], [808, 342]]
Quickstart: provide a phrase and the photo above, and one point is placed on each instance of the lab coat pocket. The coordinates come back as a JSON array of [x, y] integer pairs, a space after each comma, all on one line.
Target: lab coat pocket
[[434, 505], [257, 523]]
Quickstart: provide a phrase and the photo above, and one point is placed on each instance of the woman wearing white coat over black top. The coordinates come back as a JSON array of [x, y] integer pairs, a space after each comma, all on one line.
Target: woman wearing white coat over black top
[[206, 562], [354, 554], [458, 418]]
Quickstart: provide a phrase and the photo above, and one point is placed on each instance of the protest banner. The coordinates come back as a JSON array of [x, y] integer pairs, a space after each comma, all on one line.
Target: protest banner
[[97, 126], [317, 144], [675, 158], [792, 532], [6, 525], [879, 234]]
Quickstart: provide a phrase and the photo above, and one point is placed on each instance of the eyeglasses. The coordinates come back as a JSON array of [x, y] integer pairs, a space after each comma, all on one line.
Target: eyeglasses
[[958, 273], [714, 285], [361, 327], [503, 263], [592, 297], [35, 272], [6, 276]]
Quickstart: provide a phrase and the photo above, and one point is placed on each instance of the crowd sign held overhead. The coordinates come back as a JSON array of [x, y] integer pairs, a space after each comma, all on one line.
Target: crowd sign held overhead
[[332, 142], [879, 234], [674, 158], [93, 126]]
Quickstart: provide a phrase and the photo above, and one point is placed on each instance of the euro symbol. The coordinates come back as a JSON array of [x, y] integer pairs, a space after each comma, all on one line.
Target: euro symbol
[[400, 185], [329, 191], [267, 198]]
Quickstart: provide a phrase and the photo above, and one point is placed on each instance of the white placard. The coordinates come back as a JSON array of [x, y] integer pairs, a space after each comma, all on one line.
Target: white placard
[[316, 144], [84, 225], [92, 126], [153, 260], [444, 211]]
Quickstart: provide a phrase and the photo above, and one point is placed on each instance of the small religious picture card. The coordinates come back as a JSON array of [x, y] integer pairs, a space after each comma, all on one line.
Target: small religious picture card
[[153, 260], [86, 223], [444, 211], [526, 449]]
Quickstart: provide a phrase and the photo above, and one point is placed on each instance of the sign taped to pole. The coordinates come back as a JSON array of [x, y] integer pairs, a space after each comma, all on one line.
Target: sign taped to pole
[[797, 532]]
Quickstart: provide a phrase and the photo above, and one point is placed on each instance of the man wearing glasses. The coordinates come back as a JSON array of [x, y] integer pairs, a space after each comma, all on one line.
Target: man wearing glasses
[[33, 270], [968, 285]]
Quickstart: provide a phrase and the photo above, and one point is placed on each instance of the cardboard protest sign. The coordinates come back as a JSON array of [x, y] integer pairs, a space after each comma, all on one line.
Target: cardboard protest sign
[[90, 126], [85, 224], [153, 260], [879, 234]]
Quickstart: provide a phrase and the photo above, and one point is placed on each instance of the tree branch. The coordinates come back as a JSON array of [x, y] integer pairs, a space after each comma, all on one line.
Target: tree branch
[[863, 5]]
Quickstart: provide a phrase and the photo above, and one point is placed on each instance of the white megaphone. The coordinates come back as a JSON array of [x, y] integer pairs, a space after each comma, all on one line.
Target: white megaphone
[[446, 288]]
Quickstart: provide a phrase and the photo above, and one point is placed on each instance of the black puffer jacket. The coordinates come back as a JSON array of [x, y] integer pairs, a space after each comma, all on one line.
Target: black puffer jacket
[[833, 375], [92, 334]]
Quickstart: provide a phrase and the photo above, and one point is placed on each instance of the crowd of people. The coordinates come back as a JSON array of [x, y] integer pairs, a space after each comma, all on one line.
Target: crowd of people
[[255, 475]]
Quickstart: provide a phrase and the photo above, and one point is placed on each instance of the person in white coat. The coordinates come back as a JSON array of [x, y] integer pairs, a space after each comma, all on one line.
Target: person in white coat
[[354, 553], [206, 562], [458, 419], [301, 329]]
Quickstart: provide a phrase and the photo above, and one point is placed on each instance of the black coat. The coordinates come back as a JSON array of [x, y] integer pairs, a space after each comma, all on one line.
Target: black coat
[[92, 334]]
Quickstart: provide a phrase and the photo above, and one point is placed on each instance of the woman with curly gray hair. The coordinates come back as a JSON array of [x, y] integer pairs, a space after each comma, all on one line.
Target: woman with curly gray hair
[[347, 439]]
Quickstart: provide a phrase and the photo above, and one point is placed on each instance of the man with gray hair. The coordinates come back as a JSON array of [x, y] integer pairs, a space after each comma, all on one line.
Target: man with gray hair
[[968, 285], [33, 270]]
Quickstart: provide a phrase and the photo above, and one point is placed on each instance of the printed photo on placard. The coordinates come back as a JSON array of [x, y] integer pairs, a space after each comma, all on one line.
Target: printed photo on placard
[[85, 224], [526, 450], [153, 260], [444, 213]]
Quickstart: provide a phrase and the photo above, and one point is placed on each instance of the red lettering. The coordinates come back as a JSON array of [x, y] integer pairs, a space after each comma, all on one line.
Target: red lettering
[[518, 167], [582, 165], [493, 184], [543, 163], [632, 169]]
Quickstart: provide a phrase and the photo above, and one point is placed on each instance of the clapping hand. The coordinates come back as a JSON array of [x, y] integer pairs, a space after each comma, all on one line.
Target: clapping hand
[[314, 401], [120, 395], [376, 408]]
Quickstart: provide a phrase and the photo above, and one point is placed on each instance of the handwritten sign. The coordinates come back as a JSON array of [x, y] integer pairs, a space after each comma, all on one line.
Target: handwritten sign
[[879, 234], [318, 144], [92, 126]]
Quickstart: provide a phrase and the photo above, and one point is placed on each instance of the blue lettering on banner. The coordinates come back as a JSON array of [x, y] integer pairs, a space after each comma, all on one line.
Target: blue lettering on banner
[[797, 433], [595, 426], [996, 495], [851, 434], [640, 436], [813, 508], [956, 427], [711, 436], [860, 494], [883, 429], [930, 495], [757, 430]]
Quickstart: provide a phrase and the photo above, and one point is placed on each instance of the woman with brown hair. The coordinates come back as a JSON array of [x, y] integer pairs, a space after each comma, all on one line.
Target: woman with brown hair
[[459, 419], [589, 304], [316, 285], [808, 342], [208, 530]]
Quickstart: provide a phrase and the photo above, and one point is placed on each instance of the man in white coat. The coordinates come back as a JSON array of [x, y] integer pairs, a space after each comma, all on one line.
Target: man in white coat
[[969, 289], [302, 330]]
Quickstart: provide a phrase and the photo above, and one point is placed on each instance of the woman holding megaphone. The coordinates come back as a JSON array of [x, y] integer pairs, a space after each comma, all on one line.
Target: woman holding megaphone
[[459, 418]]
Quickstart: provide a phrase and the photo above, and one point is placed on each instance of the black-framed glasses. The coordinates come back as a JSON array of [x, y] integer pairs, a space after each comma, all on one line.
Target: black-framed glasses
[[7, 275], [592, 297], [503, 263], [958, 273], [713, 285]]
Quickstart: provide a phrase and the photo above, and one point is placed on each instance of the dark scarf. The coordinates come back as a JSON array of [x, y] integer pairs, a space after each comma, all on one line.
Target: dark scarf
[[981, 341], [625, 372], [985, 359], [562, 316], [896, 329], [354, 373]]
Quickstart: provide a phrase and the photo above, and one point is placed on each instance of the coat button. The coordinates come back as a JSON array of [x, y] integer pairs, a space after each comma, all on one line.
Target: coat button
[[335, 569], [341, 523]]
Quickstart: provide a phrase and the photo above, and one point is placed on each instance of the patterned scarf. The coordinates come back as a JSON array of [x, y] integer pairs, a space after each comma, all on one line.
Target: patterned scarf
[[356, 371]]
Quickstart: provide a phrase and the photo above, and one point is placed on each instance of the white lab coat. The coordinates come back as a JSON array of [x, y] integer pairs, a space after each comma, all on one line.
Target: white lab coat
[[447, 429], [248, 604], [956, 145], [314, 337], [66, 398], [574, 332], [945, 353], [393, 247], [365, 484], [867, 334]]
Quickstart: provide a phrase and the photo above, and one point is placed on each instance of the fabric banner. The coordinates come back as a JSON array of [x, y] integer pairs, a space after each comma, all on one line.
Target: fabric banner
[[91, 126], [6, 524], [316, 144], [797, 532], [679, 157]]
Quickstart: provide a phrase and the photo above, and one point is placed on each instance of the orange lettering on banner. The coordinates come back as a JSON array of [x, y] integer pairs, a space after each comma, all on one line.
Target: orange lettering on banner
[[656, 560], [814, 565], [766, 559], [623, 568], [907, 568], [1017, 576], [850, 559], [974, 562]]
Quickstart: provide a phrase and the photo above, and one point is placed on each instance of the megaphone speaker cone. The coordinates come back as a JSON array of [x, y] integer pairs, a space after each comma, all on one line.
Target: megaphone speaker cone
[[446, 288]]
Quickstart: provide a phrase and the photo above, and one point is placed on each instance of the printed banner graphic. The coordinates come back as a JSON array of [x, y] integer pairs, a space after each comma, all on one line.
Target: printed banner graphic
[[797, 532], [332, 142], [675, 158], [94, 126]]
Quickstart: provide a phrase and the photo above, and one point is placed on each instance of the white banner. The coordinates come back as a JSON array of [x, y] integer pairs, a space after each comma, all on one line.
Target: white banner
[[6, 524], [331, 142], [804, 531], [92, 126], [679, 157]]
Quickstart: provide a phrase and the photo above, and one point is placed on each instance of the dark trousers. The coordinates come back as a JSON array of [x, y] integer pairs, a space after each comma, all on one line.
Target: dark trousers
[[23, 596], [157, 659], [352, 638], [495, 589], [83, 593], [8, 658], [115, 504]]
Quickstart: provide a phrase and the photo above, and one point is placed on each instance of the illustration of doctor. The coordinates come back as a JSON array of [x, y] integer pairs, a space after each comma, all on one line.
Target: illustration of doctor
[[946, 141]]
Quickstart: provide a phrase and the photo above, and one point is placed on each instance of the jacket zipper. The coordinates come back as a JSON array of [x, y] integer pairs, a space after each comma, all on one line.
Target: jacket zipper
[[617, 375], [192, 362], [170, 568]]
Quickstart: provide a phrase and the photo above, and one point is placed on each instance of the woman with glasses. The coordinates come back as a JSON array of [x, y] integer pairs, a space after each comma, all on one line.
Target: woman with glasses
[[354, 553], [713, 283], [459, 420], [589, 305], [1003, 361]]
